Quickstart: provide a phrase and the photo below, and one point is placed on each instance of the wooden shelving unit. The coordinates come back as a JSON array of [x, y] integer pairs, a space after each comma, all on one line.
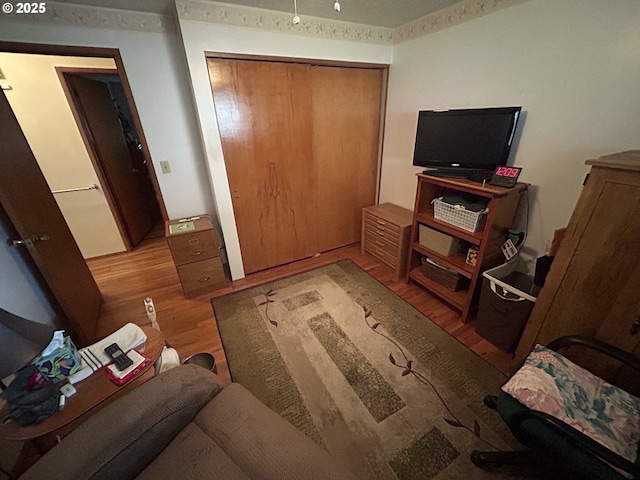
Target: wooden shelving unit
[[503, 205]]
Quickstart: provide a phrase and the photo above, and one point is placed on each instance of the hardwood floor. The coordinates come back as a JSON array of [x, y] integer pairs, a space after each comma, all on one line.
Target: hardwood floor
[[189, 325], [125, 279]]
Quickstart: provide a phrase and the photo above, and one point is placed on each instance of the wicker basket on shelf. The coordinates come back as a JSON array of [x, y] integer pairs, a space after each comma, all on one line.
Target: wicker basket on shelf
[[459, 216]]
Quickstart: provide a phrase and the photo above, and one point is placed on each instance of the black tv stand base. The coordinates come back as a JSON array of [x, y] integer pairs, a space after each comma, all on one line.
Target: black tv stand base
[[467, 174]]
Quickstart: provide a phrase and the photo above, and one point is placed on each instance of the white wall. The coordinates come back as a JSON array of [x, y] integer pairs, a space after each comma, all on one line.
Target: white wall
[[42, 109], [573, 65], [155, 68], [198, 38]]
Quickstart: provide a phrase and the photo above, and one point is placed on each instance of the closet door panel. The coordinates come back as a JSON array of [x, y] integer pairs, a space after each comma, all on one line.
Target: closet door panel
[[346, 106], [300, 146], [263, 114]]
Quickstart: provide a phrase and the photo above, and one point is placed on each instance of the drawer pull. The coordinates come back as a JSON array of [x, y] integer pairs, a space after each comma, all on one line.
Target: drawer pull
[[382, 244], [197, 254], [380, 232], [205, 279], [194, 241], [380, 222]]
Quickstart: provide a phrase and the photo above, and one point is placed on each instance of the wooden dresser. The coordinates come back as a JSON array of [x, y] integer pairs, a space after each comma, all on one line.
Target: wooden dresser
[[196, 256], [385, 235], [593, 285]]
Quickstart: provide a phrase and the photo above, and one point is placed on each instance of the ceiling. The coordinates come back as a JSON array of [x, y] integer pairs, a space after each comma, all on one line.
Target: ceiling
[[381, 13]]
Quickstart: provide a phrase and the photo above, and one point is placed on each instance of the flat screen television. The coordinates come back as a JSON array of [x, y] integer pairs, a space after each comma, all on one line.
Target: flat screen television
[[463, 142]]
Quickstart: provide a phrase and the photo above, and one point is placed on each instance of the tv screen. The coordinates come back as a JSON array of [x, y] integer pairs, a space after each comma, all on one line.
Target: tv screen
[[474, 139]]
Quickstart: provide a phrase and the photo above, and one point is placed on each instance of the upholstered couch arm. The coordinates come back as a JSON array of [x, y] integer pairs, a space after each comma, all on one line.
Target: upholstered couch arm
[[123, 438]]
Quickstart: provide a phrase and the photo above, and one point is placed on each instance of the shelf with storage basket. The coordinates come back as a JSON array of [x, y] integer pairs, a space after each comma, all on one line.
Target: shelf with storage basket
[[459, 216], [443, 232]]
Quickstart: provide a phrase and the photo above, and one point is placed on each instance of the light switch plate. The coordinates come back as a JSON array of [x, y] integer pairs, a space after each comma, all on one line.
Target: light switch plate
[[164, 165]]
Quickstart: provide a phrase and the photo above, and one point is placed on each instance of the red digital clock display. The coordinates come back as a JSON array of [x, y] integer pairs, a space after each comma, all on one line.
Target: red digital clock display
[[507, 172], [505, 176]]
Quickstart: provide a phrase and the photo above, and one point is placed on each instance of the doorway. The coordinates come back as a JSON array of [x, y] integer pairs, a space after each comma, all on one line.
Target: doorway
[[36, 215], [105, 122], [92, 155]]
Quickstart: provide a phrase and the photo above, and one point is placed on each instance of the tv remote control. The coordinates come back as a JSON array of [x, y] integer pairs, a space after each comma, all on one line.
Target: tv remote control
[[120, 360]]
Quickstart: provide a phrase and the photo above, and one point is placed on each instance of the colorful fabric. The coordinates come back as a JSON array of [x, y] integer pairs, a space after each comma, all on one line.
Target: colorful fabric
[[550, 383]]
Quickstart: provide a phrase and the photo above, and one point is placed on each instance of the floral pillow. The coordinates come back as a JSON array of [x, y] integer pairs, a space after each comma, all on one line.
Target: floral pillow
[[550, 383]]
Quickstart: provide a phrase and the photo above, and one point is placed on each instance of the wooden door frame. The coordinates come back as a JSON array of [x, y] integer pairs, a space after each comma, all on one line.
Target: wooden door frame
[[307, 61], [384, 67], [99, 52], [91, 150]]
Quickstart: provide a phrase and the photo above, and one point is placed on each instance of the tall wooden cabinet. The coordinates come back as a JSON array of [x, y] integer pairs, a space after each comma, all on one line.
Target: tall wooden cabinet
[[593, 286], [503, 208]]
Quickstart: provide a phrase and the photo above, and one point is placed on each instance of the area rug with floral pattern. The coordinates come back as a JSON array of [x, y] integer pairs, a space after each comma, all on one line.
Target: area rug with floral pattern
[[363, 373]]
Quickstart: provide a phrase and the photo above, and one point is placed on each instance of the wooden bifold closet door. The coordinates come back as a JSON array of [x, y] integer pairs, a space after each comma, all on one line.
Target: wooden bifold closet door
[[300, 145]]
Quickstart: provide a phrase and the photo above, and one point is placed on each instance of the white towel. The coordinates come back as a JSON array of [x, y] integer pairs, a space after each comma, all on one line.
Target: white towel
[[93, 357]]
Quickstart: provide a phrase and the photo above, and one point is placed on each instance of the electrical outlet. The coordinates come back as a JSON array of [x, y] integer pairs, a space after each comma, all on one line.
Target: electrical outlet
[[164, 165]]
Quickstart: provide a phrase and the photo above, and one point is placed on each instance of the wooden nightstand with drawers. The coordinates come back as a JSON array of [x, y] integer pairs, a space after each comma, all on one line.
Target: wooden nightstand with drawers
[[195, 253], [385, 235]]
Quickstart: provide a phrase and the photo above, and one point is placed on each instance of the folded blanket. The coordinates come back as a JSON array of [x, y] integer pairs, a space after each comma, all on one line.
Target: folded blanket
[[93, 357]]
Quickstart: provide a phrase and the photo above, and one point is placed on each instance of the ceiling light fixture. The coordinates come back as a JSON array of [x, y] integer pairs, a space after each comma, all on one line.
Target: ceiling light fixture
[[296, 19], [336, 6]]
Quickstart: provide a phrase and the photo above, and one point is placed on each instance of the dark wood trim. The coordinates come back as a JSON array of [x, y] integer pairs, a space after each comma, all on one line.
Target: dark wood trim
[[88, 70], [100, 52], [383, 126], [93, 154], [62, 50], [306, 61]]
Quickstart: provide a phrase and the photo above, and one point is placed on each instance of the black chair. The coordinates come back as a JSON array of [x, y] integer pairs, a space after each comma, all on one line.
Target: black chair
[[551, 441]]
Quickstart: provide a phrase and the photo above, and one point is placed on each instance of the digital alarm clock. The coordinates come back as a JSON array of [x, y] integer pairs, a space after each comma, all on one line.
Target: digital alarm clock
[[505, 176]]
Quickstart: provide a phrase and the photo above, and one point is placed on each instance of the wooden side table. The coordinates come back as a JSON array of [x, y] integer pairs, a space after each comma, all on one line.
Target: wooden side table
[[196, 255], [385, 235], [92, 394]]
